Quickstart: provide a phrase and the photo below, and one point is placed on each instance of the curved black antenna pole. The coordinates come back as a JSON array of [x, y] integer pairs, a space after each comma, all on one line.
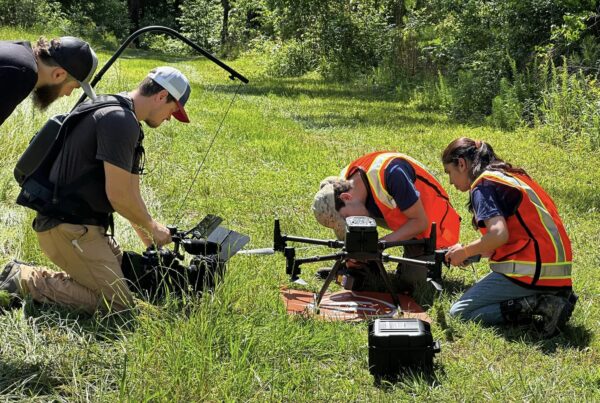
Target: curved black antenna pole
[[172, 32]]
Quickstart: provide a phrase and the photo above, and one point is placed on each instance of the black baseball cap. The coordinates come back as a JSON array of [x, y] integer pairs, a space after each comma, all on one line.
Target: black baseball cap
[[78, 59]]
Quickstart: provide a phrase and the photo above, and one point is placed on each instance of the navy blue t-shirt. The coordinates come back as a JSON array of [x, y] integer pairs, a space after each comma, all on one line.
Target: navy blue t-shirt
[[400, 184], [491, 199]]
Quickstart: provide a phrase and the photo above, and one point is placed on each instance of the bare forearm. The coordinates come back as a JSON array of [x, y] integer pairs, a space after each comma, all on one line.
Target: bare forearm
[[409, 230], [484, 245], [496, 236], [143, 234], [133, 209]]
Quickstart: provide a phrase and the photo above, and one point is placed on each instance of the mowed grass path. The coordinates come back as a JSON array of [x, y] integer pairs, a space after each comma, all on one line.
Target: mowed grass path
[[280, 138]]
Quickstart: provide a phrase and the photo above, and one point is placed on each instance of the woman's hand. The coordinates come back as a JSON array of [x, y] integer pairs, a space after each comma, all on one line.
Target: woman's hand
[[456, 255]]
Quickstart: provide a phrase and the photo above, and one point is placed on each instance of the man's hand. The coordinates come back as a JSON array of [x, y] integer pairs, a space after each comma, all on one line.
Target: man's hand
[[160, 234], [456, 255]]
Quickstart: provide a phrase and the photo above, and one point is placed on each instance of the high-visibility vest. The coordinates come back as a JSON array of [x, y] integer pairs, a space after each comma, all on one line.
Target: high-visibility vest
[[433, 196], [538, 251]]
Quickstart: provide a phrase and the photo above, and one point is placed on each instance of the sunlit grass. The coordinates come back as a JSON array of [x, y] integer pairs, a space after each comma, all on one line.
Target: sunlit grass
[[280, 138]]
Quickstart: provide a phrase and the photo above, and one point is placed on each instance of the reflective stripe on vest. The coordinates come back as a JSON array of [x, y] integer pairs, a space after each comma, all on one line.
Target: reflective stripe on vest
[[549, 270]]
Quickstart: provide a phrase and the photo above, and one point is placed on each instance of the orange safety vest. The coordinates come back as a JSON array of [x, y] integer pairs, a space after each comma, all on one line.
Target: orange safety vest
[[538, 251], [433, 196]]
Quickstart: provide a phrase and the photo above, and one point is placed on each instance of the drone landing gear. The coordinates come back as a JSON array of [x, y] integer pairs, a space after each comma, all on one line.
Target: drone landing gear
[[333, 274]]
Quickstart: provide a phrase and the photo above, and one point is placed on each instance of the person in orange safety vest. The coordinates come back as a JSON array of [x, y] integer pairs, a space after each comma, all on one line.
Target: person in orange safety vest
[[522, 234], [399, 193]]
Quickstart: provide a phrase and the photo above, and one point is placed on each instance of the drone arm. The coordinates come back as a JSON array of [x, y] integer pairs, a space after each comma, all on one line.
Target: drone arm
[[434, 269], [428, 243], [323, 258], [424, 263], [325, 242]]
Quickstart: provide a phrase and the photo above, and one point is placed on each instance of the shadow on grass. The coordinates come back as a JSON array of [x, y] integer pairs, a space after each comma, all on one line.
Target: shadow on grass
[[571, 337], [409, 379], [133, 54], [25, 379], [100, 327], [382, 116], [312, 88]]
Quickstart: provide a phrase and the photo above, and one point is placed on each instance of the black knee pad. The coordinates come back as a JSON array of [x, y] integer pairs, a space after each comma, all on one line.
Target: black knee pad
[[510, 310]]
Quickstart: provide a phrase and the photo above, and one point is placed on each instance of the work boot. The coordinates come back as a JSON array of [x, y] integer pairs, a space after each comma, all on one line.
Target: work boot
[[571, 298], [9, 283], [555, 311]]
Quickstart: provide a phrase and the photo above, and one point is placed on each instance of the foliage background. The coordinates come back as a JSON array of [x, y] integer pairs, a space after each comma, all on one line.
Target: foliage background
[[503, 63]]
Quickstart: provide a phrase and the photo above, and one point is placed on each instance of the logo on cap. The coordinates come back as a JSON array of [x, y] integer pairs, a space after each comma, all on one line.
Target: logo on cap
[[177, 85]]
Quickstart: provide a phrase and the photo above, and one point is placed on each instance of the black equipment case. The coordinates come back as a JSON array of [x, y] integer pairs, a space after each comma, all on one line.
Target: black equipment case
[[399, 344]]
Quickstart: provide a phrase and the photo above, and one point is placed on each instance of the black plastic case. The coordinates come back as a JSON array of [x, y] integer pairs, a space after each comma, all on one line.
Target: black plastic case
[[399, 344]]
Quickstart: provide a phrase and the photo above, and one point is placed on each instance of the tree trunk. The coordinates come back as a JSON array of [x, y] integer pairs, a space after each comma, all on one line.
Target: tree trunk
[[135, 11], [399, 11], [225, 30]]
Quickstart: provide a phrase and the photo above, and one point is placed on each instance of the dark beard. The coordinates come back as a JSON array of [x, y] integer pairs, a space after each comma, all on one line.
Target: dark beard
[[43, 96]]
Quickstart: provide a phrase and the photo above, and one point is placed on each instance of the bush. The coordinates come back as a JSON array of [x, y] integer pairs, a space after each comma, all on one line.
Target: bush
[[433, 95], [292, 58], [474, 90], [353, 43], [201, 21], [570, 108], [506, 107], [31, 13], [166, 44]]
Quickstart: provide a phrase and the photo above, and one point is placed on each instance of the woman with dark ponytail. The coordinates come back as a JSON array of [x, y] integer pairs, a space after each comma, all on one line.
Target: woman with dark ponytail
[[523, 236]]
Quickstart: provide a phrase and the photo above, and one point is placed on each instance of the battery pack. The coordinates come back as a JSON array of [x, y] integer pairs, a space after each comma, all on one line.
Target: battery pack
[[396, 345]]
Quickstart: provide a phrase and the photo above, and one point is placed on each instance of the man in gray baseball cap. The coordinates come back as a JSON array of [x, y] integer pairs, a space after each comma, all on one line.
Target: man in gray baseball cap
[[48, 70]]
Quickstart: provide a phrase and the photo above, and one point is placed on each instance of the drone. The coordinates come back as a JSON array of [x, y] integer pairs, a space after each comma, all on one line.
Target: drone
[[361, 244]]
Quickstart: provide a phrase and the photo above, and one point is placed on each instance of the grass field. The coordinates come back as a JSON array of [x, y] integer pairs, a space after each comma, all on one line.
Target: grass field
[[280, 138]]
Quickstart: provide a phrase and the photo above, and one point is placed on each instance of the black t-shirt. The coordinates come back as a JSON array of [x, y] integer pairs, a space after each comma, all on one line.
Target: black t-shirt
[[18, 75], [111, 134]]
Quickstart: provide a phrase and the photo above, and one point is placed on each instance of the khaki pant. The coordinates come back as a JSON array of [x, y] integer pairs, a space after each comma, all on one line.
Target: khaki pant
[[91, 262]]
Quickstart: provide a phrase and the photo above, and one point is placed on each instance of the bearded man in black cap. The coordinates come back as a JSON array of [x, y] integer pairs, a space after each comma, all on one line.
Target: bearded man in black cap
[[49, 69]]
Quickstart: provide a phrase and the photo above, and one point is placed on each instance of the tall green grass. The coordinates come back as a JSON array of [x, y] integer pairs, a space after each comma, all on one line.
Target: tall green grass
[[281, 138]]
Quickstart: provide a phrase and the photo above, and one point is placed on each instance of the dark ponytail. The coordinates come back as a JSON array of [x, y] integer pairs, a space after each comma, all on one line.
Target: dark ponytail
[[479, 154]]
